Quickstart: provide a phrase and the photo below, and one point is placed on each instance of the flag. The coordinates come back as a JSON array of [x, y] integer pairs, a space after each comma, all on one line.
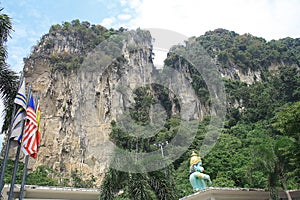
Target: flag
[[21, 96], [29, 141], [19, 116], [38, 120]]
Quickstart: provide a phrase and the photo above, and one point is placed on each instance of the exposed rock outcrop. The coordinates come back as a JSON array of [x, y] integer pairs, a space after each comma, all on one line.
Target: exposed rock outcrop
[[78, 105]]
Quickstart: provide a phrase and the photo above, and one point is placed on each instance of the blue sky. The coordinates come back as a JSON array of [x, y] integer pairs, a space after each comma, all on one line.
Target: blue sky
[[271, 19], [33, 18]]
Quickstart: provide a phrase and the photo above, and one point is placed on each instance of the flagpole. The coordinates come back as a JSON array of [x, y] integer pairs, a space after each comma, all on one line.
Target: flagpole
[[4, 163], [13, 180], [24, 177], [25, 169], [16, 165]]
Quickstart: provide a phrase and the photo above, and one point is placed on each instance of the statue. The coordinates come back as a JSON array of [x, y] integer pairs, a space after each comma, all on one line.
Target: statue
[[196, 176]]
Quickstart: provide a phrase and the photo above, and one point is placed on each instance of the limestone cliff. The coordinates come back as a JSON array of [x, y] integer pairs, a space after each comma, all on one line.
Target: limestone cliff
[[85, 77], [76, 107], [82, 88]]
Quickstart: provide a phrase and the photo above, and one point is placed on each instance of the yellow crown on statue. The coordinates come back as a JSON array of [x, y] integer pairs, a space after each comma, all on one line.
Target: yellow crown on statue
[[194, 158]]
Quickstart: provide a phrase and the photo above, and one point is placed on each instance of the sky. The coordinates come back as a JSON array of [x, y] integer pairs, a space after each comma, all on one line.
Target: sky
[[270, 19]]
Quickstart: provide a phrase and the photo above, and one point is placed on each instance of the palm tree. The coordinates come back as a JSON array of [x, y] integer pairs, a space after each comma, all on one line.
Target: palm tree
[[8, 78]]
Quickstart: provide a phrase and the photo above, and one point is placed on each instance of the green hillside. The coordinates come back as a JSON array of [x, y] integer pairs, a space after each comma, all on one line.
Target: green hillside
[[259, 144]]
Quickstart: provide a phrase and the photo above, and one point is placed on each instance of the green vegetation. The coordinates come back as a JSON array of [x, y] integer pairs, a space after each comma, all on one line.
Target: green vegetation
[[8, 78], [249, 52], [258, 146], [259, 143], [152, 185], [39, 177], [9, 170], [82, 37], [67, 44], [45, 176]]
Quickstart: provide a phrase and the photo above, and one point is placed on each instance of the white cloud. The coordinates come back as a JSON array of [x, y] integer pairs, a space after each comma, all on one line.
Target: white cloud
[[135, 3], [264, 18], [159, 56], [15, 57], [19, 32], [108, 22], [124, 16], [22, 41], [123, 2]]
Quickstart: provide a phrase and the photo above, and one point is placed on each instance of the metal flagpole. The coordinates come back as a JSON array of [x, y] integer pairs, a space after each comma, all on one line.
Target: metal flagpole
[[24, 177], [13, 180], [25, 167], [16, 165], [4, 163]]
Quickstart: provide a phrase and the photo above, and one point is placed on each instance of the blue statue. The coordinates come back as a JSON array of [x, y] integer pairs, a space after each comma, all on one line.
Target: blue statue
[[196, 176]]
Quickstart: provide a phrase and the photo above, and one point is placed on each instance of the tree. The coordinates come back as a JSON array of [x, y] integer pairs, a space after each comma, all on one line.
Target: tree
[[158, 184], [78, 182], [8, 78], [264, 156], [271, 153], [41, 177], [287, 122]]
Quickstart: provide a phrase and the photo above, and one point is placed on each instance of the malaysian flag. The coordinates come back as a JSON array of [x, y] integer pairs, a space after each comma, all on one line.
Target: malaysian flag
[[20, 102], [29, 141]]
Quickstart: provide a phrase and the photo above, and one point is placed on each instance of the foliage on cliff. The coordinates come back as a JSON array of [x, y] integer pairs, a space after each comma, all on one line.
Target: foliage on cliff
[[67, 44], [249, 52], [45, 176], [259, 144], [159, 184], [258, 147]]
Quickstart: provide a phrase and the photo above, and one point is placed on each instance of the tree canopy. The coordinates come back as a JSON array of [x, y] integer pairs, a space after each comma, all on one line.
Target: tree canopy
[[259, 144], [8, 78]]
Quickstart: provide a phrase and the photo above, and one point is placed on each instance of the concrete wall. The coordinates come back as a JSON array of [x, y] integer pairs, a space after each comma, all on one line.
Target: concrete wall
[[53, 193], [239, 194], [56, 193]]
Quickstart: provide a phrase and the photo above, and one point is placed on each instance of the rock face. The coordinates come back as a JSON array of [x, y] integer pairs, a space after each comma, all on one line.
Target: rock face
[[77, 106], [82, 88], [249, 77], [76, 109]]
